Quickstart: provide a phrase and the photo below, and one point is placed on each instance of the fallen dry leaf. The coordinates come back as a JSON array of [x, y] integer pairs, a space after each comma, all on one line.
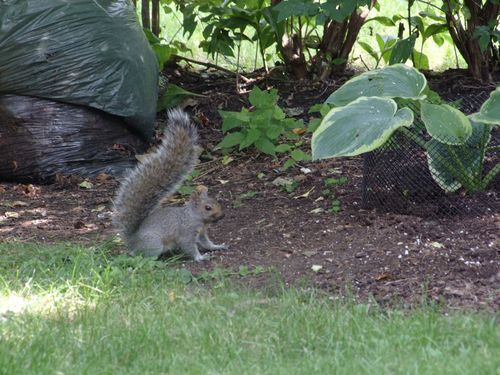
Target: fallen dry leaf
[[19, 204], [305, 195], [299, 131], [382, 276], [30, 190], [86, 185], [316, 267]]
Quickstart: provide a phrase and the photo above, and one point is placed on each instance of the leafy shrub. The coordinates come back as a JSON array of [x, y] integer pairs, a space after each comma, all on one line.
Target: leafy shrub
[[393, 49]]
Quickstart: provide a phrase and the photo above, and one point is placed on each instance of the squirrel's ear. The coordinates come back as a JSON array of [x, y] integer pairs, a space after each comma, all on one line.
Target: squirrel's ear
[[201, 189], [200, 192]]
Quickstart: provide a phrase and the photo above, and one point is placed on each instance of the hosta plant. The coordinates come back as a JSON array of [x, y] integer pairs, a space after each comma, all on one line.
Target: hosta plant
[[369, 108]]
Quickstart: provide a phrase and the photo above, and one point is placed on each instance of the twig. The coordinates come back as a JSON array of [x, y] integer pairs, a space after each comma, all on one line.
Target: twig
[[210, 65], [366, 66]]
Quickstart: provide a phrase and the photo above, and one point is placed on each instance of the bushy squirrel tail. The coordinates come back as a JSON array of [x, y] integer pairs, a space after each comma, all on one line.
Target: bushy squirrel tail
[[159, 174]]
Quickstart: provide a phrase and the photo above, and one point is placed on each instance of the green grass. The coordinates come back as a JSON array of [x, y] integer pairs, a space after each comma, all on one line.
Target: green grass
[[76, 310]]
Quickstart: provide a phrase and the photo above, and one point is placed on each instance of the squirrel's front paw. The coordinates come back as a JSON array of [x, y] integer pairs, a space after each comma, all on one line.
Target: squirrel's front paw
[[223, 246], [200, 258]]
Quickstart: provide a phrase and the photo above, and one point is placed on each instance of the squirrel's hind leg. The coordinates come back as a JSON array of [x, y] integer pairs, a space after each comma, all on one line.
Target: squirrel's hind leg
[[191, 248], [152, 246]]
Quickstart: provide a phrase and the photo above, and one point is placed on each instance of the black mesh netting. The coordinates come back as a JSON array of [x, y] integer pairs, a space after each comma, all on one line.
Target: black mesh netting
[[402, 177]]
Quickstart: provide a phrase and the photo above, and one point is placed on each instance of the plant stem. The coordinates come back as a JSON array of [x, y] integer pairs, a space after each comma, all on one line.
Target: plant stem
[[461, 175], [490, 176]]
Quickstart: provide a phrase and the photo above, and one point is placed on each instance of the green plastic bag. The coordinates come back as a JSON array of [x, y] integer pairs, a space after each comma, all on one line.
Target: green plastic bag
[[86, 52]]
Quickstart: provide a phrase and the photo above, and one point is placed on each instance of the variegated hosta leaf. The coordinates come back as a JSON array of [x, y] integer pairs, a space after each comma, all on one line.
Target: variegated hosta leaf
[[359, 127]]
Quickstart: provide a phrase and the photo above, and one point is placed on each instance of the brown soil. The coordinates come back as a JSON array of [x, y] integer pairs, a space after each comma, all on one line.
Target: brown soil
[[390, 257]]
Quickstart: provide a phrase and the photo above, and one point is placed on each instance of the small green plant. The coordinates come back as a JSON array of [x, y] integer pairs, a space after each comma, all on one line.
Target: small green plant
[[366, 116], [335, 204], [262, 128], [336, 181], [291, 187], [295, 155]]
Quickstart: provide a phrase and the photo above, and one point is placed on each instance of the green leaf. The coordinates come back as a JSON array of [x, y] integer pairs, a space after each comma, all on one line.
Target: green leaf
[[418, 22], [385, 45], [278, 113], [231, 140], [273, 131], [173, 96], [289, 8], [434, 29], [288, 163], [438, 39], [393, 81], [453, 166], [359, 127], [432, 16], [313, 125], [401, 51], [368, 49], [338, 10], [446, 124], [283, 147], [263, 99], [250, 137], [232, 120], [299, 155], [163, 53], [421, 60], [266, 146], [490, 110], [386, 21], [189, 22]]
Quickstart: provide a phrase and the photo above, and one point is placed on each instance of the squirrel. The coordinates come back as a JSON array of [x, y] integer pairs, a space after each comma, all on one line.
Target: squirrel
[[152, 229]]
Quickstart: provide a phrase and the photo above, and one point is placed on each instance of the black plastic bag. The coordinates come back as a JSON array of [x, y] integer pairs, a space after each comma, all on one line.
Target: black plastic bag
[[40, 138]]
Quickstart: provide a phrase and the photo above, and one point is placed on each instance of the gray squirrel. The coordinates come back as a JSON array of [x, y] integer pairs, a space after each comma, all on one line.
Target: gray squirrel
[[150, 228]]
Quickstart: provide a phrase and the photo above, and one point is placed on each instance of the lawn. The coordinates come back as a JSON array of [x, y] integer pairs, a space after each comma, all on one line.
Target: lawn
[[67, 309]]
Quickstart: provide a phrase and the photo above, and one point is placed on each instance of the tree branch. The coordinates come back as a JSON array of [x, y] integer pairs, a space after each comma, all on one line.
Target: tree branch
[[214, 66]]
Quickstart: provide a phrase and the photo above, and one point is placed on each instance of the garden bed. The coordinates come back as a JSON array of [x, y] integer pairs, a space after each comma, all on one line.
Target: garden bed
[[390, 256]]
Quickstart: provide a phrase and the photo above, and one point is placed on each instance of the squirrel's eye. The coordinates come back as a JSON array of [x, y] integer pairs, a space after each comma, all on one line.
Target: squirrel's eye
[[208, 208]]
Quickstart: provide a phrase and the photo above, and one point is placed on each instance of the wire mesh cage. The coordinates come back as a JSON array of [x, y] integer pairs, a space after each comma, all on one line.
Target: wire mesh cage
[[416, 174]]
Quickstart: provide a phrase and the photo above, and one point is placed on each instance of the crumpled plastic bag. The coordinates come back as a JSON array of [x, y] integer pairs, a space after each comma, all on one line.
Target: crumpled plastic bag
[[40, 138], [86, 52]]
